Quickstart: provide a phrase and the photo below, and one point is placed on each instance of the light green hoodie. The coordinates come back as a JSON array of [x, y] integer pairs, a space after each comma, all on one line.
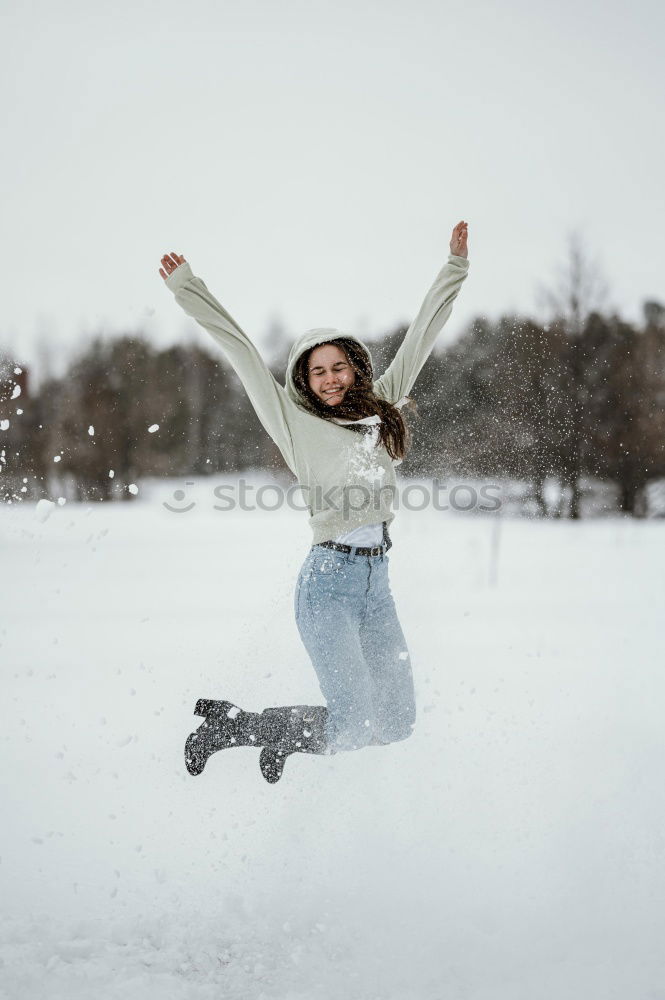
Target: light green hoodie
[[346, 478]]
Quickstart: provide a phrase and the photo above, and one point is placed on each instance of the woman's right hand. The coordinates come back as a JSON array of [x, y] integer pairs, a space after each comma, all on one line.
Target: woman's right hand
[[170, 262], [458, 241]]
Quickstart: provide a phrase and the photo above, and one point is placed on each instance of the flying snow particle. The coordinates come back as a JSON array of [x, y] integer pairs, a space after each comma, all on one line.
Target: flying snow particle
[[44, 509], [17, 392], [17, 371], [61, 501], [91, 430], [153, 428], [19, 411], [4, 425], [111, 473], [56, 458], [133, 488]]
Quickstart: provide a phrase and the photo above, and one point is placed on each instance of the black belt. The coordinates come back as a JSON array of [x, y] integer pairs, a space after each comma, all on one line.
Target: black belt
[[361, 550]]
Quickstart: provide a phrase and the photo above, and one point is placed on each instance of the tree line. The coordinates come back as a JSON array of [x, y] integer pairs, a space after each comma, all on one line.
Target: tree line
[[579, 396]]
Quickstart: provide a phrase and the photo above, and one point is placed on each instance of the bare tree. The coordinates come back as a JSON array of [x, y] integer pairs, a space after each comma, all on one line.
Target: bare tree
[[579, 291]]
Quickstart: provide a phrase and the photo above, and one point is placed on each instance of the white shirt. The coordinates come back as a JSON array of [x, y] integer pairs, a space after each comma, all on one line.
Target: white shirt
[[366, 536]]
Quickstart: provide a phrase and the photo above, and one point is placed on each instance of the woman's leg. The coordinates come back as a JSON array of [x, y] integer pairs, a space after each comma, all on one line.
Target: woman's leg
[[329, 605], [386, 653]]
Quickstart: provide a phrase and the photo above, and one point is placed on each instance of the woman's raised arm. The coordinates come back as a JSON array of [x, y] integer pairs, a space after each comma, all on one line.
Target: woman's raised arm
[[419, 339], [269, 399]]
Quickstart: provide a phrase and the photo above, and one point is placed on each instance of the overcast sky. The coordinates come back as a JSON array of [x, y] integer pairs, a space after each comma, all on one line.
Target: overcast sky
[[311, 158]]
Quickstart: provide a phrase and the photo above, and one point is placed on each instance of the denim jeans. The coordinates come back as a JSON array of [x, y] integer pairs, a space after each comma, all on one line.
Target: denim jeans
[[347, 620]]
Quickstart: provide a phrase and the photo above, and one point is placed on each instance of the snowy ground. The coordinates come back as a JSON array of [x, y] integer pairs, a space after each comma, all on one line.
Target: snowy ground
[[513, 849]]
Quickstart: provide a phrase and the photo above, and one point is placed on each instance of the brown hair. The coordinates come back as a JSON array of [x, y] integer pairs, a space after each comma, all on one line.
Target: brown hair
[[359, 400]]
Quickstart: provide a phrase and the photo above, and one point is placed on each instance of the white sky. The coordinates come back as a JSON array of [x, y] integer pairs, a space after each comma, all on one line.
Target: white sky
[[310, 159]]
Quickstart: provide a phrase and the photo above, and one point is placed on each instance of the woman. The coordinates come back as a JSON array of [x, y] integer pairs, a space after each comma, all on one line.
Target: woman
[[341, 433]]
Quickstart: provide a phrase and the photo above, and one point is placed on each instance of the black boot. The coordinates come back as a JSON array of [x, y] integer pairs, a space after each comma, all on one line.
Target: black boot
[[293, 729], [280, 731], [225, 725]]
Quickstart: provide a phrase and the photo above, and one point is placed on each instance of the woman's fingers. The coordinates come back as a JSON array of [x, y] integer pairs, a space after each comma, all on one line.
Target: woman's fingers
[[169, 263], [458, 244], [167, 267]]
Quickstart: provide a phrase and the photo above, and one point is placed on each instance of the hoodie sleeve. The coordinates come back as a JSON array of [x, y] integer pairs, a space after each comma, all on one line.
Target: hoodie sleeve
[[267, 396], [419, 339]]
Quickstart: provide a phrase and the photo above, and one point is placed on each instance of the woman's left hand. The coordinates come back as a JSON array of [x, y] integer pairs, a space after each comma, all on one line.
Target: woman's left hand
[[458, 244], [170, 262]]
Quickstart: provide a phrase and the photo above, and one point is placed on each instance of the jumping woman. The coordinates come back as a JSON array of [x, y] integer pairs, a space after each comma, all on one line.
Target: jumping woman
[[341, 433]]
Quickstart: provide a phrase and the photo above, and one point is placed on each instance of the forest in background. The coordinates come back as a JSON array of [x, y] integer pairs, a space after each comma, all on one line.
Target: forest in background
[[579, 398]]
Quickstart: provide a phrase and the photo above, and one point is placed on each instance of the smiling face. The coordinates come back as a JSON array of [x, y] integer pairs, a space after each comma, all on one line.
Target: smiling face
[[330, 374]]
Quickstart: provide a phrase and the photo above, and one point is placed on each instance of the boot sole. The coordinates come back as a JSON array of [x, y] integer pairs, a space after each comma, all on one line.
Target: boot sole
[[194, 762], [272, 764]]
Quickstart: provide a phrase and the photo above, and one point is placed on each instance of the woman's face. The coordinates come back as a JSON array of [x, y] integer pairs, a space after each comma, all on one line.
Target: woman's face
[[330, 374]]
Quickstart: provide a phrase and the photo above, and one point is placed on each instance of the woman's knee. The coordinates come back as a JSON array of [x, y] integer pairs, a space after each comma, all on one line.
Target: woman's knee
[[346, 735], [397, 727]]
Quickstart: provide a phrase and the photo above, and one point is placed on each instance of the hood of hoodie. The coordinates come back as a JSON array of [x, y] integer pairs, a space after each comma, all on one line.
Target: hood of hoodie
[[311, 338]]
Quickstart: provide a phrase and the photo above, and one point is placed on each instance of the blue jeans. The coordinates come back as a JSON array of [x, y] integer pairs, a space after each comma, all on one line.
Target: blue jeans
[[347, 620]]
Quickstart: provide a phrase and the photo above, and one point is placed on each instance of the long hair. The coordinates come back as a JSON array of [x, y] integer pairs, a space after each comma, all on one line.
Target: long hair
[[359, 399]]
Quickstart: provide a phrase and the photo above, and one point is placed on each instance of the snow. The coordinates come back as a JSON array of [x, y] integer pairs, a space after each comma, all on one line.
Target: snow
[[512, 849], [42, 509], [363, 463]]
